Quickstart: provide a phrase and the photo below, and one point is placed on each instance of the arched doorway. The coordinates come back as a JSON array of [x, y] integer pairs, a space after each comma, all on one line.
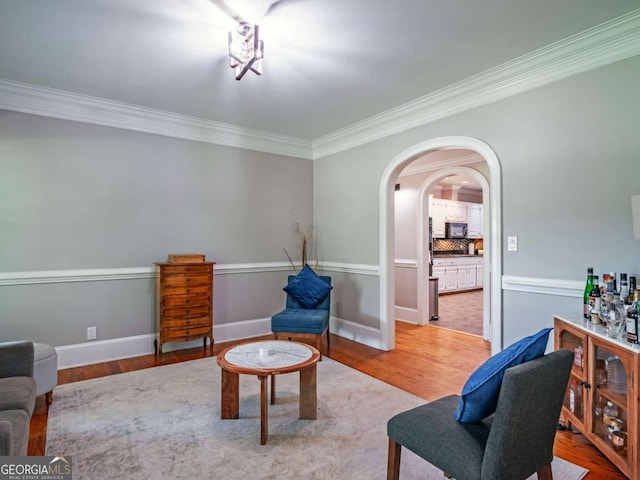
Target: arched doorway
[[492, 245], [422, 257]]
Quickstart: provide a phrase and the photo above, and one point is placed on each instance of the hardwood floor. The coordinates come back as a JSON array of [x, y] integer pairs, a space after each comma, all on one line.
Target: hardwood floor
[[429, 362]]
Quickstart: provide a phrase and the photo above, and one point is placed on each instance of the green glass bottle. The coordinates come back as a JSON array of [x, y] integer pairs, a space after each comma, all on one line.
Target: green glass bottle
[[586, 308]]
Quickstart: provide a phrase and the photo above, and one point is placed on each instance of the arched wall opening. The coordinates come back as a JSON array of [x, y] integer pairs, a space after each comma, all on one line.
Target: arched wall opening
[[423, 254], [492, 216]]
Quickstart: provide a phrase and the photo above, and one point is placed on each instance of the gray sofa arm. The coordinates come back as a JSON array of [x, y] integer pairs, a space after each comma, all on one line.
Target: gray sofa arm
[[6, 439], [16, 359]]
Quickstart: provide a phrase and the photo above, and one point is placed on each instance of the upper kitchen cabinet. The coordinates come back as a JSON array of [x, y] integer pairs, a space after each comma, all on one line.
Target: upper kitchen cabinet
[[438, 217], [442, 211], [455, 211], [474, 220]]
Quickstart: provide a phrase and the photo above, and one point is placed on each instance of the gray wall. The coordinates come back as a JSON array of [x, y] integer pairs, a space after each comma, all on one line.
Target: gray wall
[[569, 156], [75, 196], [78, 196]]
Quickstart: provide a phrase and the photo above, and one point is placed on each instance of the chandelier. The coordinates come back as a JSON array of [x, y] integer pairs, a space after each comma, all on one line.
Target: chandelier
[[246, 50]]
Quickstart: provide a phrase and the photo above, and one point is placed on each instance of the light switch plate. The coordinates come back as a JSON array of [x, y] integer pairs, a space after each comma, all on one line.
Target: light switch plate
[[512, 244]]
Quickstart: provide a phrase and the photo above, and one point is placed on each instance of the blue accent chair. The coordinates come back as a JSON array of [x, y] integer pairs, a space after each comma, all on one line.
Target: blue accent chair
[[295, 319]]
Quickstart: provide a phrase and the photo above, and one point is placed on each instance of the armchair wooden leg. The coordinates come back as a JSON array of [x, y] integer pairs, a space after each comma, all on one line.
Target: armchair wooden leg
[[393, 461], [319, 344], [545, 473], [275, 335]]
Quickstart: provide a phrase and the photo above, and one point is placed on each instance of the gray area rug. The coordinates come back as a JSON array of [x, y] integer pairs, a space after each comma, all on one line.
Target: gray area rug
[[164, 422]]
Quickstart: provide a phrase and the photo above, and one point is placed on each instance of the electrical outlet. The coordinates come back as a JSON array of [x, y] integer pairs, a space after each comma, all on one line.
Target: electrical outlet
[[91, 333], [512, 244]]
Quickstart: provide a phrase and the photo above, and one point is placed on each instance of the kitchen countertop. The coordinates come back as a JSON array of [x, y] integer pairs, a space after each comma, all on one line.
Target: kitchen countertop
[[447, 255]]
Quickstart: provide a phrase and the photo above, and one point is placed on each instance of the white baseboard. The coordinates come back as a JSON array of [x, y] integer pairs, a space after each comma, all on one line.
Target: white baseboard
[[406, 314], [354, 331], [90, 353]]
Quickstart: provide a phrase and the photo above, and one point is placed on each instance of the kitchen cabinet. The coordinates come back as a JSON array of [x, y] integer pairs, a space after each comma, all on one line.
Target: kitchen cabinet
[[457, 273], [442, 211], [474, 220], [466, 277], [479, 275], [439, 272], [450, 278], [438, 214], [455, 211], [604, 375]]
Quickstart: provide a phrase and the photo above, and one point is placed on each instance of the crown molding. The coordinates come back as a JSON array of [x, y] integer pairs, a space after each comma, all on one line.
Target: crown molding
[[51, 102], [596, 47]]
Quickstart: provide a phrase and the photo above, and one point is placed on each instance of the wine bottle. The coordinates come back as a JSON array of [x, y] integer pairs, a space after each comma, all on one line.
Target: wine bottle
[[632, 318], [632, 288], [624, 287], [586, 309], [594, 300]]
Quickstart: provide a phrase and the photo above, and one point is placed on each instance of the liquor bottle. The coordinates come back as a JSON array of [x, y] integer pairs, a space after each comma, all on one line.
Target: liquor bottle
[[632, 287], [610, 282], [575, 398], [624, 287], [586, 309], [632, 318], [594, 300]]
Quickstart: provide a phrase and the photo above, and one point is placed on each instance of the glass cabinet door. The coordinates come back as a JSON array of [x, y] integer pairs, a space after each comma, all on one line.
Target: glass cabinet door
[[610, 403], [574, 396]]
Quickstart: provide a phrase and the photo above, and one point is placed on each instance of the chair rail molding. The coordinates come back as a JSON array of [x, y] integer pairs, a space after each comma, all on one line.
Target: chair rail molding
[[132, 273], [545, 286]]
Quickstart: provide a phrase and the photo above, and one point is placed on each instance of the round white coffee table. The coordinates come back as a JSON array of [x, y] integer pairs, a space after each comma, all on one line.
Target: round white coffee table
[[268, 359]]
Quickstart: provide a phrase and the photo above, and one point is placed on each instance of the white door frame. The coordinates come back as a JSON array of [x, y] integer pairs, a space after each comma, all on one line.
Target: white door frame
[[387, 233], [424, 314]]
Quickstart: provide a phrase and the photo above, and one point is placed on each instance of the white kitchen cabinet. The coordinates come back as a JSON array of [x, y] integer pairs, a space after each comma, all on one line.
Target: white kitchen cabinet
[[457, 273], [438, 213], [439, 272], [450, 279], [455, 211], [469, 276], [474, 220]]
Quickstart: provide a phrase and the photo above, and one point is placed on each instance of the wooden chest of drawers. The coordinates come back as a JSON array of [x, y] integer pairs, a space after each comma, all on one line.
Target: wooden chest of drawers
[[184, 302]]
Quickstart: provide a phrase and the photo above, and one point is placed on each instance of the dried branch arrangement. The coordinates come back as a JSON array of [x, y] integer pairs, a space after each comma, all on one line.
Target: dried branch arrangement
[[307, 237]]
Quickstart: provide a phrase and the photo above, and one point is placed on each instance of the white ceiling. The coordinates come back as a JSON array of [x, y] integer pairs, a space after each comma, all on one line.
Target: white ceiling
[[328, 63]]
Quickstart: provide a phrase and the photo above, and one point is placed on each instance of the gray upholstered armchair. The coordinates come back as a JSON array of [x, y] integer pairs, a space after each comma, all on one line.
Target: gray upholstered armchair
[[17, 396], [514, 443]]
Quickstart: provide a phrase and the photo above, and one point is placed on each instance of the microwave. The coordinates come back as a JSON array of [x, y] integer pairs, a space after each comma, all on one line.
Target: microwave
[[456, 230]]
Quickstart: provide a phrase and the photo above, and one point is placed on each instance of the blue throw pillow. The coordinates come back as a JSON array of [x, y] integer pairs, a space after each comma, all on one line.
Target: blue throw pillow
[[479, 396], [307, 288]]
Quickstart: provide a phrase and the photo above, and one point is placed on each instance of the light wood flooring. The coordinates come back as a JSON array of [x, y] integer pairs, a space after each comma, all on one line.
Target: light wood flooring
[[429, 362]]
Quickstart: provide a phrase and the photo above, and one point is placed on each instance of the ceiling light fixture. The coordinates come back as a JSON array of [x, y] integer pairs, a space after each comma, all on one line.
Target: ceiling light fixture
[[246, 50]]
